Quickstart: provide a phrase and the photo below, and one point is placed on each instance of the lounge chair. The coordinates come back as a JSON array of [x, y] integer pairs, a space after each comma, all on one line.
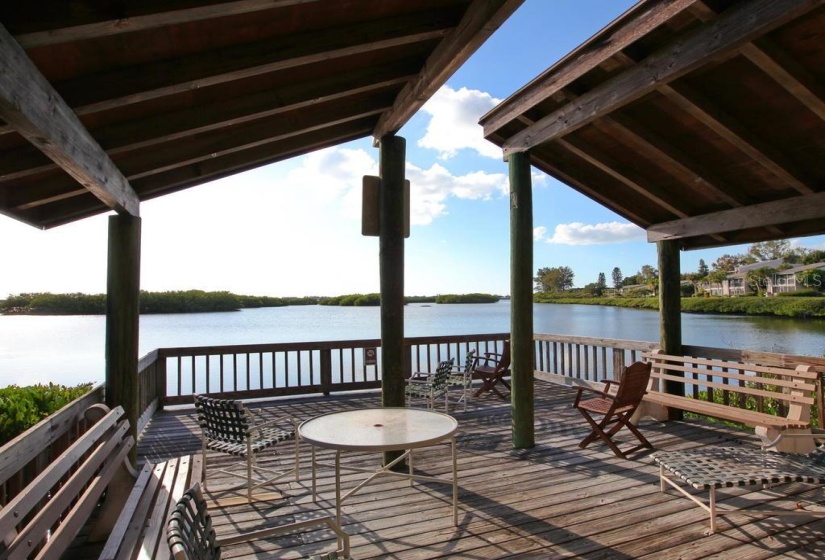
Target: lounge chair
[[191, 536], [616, 409], [712, 468]]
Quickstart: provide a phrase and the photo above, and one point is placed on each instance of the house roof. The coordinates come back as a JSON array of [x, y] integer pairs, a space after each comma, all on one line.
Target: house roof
[[106, 104], [700, 121], [802, 268]]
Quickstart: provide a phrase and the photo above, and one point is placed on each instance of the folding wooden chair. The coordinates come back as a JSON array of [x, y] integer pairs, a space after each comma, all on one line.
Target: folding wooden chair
[[492, 369], [191, 536], [616, 409]]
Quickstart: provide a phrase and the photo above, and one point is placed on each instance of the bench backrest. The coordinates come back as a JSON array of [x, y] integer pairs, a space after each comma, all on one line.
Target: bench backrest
[[49, 513], [783, 391]]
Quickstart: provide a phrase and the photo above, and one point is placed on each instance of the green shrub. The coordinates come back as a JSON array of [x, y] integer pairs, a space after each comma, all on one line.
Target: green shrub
[[466, 298], [23, 407]]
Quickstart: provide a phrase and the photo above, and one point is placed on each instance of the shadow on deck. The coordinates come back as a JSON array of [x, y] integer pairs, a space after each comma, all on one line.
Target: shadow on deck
[[552, 501]]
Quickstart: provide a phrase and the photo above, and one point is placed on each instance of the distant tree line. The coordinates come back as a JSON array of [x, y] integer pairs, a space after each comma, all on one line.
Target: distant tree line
[[189, 301], [198, 301], [466, 298]]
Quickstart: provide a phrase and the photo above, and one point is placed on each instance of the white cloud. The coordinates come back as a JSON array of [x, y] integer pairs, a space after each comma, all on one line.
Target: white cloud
[[454, 123], [577, 233], [430, 189], [539, 233]]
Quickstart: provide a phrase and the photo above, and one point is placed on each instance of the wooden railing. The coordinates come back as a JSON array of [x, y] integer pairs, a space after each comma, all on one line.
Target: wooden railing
[[572, 359], [27, 455], [172, 375]]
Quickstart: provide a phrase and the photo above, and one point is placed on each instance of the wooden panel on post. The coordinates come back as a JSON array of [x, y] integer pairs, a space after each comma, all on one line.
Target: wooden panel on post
[[521, 302], [670, 311], [122, 318], [391, 265]]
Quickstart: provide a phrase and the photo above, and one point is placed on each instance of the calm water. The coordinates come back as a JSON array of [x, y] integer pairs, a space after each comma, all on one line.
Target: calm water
[[70, 349]]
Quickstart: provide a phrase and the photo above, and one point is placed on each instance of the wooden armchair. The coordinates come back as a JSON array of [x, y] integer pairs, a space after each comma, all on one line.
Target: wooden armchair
[[492, 368], [191, 536], [229, 427], [616, 409]]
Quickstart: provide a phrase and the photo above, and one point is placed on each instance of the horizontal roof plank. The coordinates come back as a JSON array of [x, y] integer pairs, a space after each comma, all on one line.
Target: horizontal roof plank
[[718, 38], [153, 20], [29, 103], [134, 84], [776, 213]]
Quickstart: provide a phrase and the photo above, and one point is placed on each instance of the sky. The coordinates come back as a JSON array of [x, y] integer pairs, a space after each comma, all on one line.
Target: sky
[[294, 228]]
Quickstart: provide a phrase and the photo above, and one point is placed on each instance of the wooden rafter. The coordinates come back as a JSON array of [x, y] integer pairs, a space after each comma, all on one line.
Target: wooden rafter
[[798, 83], [195, 174], [30, 104], [479, 22], [179, 126], [797, 209], [711, 115], [150, 21], [587, 57], [712, 41], [131, 85]]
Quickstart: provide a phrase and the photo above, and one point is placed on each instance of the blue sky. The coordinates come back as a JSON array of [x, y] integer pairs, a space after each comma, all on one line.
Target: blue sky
[[293, 228]]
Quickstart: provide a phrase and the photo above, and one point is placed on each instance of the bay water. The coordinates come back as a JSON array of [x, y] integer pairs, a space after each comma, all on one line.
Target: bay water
[[70, 349]]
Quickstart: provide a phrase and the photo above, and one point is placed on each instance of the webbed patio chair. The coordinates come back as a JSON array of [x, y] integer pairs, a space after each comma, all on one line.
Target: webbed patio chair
[[228, 426], [191, 536], [492, 368], [463, 378], [430, 387], [616, 409], [711, 468]]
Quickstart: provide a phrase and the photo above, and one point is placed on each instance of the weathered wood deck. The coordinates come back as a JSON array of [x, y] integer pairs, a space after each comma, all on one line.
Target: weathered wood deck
[[553, 501]]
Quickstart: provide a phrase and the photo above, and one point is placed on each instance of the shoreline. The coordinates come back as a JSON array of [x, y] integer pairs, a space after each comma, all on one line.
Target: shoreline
[[782, 306]]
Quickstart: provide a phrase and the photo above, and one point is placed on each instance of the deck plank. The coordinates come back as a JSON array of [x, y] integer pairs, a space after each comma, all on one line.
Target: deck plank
[[552, 501]]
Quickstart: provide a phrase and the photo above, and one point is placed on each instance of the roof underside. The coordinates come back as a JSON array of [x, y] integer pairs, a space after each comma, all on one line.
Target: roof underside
[[700, 121], [105, 104]]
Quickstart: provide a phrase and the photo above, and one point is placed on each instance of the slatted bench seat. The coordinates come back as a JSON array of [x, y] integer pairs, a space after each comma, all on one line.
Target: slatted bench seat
[[140, 529], [790, 391], [44, 518]]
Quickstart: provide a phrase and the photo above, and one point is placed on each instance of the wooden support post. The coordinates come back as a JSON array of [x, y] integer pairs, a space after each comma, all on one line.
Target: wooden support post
[[521, 301], [391, 265], [670, 312], [122, 318]]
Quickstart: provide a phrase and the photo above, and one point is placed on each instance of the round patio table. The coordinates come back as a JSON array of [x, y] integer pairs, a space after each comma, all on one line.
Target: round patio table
[[380, 430]]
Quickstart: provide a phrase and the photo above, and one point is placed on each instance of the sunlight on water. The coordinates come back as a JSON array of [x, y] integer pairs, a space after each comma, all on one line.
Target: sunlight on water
[[71, 349]]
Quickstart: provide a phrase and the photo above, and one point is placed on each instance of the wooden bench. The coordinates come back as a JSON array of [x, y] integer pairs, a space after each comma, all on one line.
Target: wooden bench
[[140, 529], [44, 518], [789, 391]]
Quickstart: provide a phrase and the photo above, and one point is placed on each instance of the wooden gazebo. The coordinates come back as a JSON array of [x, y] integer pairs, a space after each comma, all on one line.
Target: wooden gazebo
[[701, 121], [107, 104]]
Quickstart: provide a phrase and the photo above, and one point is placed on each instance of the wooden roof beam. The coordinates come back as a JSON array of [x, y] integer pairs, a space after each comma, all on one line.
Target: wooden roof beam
[[130, 85], [790, 210], [787, 73], [582, 60], [714, 40], [31, 105], [706, 111], [479, 22], [150, 21], [180, 125]]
